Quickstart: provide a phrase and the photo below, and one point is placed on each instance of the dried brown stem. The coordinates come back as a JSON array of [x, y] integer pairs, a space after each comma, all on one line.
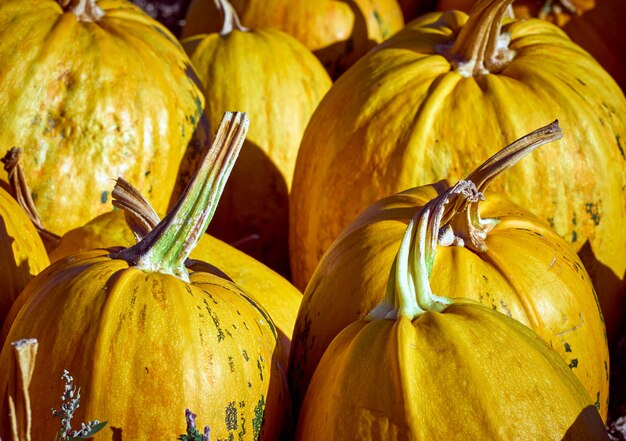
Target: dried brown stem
[[21, 193]]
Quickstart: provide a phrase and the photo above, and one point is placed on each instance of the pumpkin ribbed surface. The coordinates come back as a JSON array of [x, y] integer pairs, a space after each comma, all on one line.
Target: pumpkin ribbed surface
[[146, 346], [93, 100], [466, 373]]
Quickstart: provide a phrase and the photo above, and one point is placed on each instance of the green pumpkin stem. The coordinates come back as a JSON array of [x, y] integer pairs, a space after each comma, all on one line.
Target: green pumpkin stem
[[408, 291], [85, 10], [481, 47], [231, 19], [166, 248]]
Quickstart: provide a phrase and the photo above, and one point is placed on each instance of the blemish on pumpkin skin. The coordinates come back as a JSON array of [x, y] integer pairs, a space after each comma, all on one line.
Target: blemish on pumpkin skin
[[231, 419], [257, 422], [619, 146], [574, 363], [104, 197], [568, 348], [593, 211]]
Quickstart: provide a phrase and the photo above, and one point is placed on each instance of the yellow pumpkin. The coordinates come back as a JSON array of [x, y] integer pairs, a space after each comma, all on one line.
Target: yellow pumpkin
[[339, 33], [491, 251], [447, 89], [147, 338], [22, 254], [239, 70], [424, 367], [99, 90]]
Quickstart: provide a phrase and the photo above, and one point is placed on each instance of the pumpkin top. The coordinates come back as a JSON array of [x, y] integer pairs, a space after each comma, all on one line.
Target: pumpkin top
[[231, 19], [85, 10], [166, 248], [481, 47], [408, 292]]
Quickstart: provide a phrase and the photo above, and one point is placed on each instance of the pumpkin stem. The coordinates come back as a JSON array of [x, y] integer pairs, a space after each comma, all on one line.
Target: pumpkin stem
[[481, 47], [466, 227], [139, 214], [231, 19], [453, 211], [167, 246], [21, 193], [85, 10], [25, 352]]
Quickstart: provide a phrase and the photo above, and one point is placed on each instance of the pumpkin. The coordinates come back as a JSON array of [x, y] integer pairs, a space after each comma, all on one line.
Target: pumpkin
[[492, 251], [239, 71], [444, 91], [94, 90], [147, 338], [338, 33], [595, 25], [275, 294], [22, 254], [424, 367]]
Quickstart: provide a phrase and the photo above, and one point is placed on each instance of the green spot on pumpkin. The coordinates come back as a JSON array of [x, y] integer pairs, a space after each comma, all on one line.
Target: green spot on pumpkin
[[568, 348], [257, 422], [258, 365], [597, 402], [619, 146], [573, 363], [574, 236], [594, 213], [104, 196], [231, 416]]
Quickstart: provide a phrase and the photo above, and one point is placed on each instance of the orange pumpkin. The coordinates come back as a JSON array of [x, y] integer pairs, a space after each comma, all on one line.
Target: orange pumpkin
[[339, 33], [490, 251], [147, 338], [99, 90]]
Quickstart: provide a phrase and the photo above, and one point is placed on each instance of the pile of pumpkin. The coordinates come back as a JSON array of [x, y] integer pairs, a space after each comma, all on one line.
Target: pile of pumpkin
[[377, 265]]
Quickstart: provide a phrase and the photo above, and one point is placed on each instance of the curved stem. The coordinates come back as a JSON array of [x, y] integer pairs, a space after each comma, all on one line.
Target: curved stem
[[167, 246], [481, 47], [21, 193], [231, 19], [85, 10], [450, 218], [139, 214]]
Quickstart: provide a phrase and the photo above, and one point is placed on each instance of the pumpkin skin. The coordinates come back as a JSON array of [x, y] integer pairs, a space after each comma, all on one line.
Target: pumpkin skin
[[94, 100], [22, 253], [527, 272], [239, 71], [595, 26], [338, 33], [402, 117], [392, 380], [275, 294], [144, 347]]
